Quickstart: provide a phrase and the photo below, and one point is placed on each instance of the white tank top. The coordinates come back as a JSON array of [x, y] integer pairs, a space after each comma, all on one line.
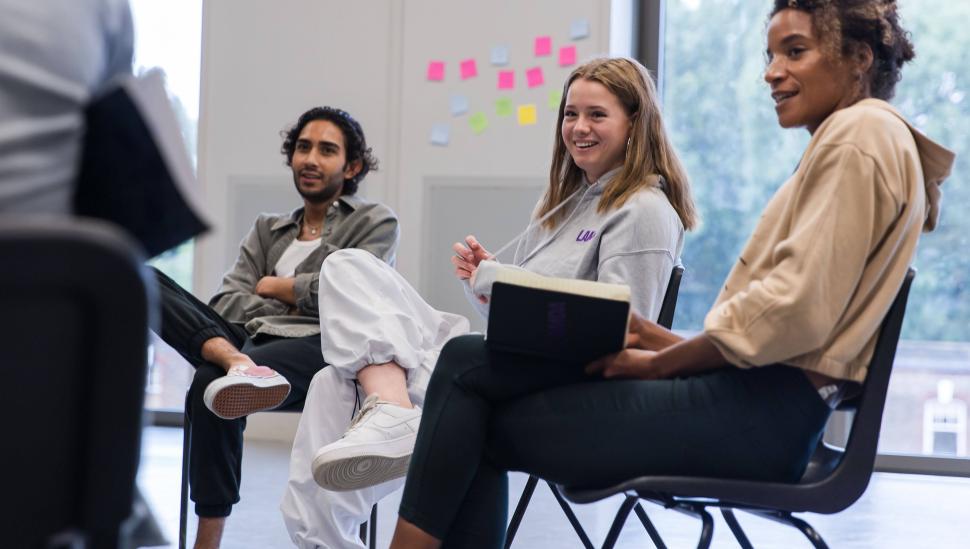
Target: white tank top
[[297, 251]]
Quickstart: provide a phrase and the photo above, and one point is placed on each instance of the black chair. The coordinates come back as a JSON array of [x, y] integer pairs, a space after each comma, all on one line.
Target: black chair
[[665, 319], [368, 530], [77, 306], [834, 479]]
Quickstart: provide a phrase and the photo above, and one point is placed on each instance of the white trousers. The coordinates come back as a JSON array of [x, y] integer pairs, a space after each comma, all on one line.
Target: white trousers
[[369, 314]]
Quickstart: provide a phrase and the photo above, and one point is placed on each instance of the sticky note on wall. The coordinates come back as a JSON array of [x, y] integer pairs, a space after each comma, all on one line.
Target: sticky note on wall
[[527, 115], [567, 56], [543, 46], [436, 71], [468, 69], [506, 80], [503, 106], [500, 55], [440, 134], [478, 122], [579, 29], [459, 105], [534, 77], [555, 98]]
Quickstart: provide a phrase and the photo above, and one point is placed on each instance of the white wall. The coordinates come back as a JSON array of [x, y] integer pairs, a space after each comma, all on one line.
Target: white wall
[[266, 62]]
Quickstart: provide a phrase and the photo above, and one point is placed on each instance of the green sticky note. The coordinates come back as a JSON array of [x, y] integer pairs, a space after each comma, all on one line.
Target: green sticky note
[[503, 106], [555, 97], [478, 122]]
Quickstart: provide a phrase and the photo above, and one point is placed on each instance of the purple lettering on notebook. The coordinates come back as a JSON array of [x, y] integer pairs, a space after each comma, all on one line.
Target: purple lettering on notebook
[[556, 320]]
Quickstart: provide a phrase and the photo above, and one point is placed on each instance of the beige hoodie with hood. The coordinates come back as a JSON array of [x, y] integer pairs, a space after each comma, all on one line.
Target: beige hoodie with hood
[[828, 256]]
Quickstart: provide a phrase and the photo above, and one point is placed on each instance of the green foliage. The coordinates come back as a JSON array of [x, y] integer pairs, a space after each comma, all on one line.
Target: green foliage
[[721, 118]]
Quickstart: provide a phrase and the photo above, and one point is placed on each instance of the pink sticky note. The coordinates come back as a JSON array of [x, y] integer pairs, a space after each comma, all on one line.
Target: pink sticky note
[[543, 45], [506, 80], [534, 77], [567, 56], [468, 69], [436, 70]]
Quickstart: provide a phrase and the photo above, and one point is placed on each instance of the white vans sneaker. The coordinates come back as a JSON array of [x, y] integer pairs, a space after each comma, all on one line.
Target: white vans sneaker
[[244, 390], [376, 448]]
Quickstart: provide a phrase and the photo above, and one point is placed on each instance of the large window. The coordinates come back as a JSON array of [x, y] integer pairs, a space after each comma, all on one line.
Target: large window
[[722, 120], [168, 36]]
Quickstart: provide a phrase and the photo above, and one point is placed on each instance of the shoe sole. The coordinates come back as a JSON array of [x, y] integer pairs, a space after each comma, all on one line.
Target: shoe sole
[[237, 399], [369, 465]]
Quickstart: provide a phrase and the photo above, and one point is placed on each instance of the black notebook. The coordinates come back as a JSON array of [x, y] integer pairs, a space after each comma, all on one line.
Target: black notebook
[[135, 170], [557, 318]]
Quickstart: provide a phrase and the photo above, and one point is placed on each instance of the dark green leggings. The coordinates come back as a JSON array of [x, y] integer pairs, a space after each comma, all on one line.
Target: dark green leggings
[[488, 412]]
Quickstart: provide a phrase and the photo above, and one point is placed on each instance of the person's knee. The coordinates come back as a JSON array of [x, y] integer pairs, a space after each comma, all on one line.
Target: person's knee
[[461, 353], [347, 258]]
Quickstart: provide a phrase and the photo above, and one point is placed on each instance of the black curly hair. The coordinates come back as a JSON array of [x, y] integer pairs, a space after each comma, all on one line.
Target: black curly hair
[[355, 143], [846, 26]]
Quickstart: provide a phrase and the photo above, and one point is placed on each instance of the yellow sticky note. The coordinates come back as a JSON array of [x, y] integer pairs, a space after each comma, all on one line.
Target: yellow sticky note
[[527, 114]]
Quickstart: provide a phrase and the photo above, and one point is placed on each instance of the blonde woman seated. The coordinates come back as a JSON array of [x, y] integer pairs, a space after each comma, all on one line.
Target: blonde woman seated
[[615, 179]]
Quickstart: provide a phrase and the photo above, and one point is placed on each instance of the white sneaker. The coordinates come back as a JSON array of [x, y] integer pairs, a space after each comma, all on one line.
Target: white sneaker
[[376, 448], [244, 390]]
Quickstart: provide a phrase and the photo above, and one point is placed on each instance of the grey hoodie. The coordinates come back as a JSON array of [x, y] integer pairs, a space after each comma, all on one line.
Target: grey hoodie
[[637, 244]]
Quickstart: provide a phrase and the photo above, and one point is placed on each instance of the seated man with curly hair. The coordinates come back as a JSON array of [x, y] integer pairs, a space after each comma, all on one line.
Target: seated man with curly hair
[[257, 344]]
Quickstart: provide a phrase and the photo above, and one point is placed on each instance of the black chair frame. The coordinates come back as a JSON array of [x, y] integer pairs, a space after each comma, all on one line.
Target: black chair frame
[[833, 480], [665, 319]]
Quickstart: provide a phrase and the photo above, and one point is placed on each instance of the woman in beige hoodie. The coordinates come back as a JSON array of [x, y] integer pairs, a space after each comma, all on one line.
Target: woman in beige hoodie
[[792, 330]]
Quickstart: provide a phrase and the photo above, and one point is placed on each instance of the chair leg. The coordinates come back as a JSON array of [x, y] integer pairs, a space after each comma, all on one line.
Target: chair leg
[[619, 521], [571, 516], [735, 527], [707, 522], [648, 525], [805, 528], [373, 527], [184, 504], [530, 487]]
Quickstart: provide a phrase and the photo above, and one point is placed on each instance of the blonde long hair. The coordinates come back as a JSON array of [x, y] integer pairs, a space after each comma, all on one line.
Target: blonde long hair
[[649, 151]]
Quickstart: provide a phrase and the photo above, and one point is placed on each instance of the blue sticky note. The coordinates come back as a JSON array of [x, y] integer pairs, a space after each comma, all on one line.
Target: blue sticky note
[[500, 55], [579, 29], [440, 134], [459, 105]]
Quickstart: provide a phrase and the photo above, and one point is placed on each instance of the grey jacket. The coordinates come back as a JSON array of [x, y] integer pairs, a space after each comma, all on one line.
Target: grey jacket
[[352, 222], [637, 244]]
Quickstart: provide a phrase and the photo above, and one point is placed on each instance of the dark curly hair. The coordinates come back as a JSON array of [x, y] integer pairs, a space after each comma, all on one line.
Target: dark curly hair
[[355, 143], [846, 26]]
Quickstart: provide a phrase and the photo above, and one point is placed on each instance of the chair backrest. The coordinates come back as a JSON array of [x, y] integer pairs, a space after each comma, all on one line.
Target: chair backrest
[[669, 305], [846, 473], [74, 335]]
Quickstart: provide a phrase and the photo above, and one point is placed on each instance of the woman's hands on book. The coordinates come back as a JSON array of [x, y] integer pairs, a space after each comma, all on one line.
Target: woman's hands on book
[[635, 363], [654, 352], [644, 334]]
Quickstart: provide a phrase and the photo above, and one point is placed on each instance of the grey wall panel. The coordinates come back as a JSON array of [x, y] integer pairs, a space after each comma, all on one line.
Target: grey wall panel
[[493, 209], [246, 198]]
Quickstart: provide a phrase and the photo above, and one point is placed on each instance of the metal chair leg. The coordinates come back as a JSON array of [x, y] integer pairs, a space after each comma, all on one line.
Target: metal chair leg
[[530, 488], [571, 516], [805, 528], [735, 527], [619, 521], [373, 527], [648, 525], [184, 504]]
